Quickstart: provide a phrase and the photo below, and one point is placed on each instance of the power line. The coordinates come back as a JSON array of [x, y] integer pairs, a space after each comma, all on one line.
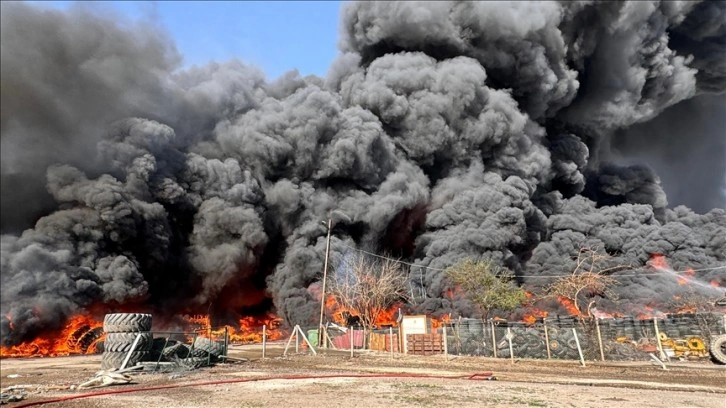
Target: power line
[[615, 275]]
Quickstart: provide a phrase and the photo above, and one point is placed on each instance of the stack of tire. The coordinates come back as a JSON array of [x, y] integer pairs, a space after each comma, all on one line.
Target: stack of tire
[[563, 344], [121, 330]]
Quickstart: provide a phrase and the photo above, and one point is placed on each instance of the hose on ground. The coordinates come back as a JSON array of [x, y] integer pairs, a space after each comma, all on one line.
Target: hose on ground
[[476, 376]]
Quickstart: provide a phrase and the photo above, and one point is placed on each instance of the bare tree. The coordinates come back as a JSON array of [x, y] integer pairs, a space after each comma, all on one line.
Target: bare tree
[[588, 280], [367, 287], [487, 285], [704, 309]]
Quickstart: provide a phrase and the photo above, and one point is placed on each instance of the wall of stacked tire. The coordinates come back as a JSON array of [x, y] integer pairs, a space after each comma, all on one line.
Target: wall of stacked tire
[[681, 337], [128, 338]]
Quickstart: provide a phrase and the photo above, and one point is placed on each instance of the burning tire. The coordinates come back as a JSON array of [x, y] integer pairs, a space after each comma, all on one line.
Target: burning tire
[[122, 342], [718, 348], [113, 360], [126, 322]]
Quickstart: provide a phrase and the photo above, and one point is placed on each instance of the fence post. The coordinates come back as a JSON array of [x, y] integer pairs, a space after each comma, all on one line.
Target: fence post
[[547, 339], [264, 340], [494, 339], [599, 339], [579, 350], [511, 349], [350, 331], [446, 345], [663, 355], [226, 339], [390, 339]]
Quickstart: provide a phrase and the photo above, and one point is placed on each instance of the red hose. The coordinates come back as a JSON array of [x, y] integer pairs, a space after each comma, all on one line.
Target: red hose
[[476, 376]]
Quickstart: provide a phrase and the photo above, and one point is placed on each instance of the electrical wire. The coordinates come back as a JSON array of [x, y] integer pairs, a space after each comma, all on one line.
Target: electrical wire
[[615, 275]]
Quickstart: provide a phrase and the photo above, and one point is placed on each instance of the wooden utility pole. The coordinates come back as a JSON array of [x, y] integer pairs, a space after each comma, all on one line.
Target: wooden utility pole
[[321, 329]]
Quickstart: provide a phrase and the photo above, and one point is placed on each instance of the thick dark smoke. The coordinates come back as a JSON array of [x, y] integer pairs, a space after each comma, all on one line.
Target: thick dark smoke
[[444, 130]]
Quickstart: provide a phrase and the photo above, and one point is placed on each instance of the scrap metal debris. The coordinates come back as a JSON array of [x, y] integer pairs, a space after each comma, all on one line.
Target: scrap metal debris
[[12, 395], [105, 379]]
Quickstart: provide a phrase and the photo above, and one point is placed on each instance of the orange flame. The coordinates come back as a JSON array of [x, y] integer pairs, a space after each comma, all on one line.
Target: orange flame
[[658, 261], [440, 322], [649, 313], [569, 305], [78, 337], [338, 312], [250, 328], [533, 315]]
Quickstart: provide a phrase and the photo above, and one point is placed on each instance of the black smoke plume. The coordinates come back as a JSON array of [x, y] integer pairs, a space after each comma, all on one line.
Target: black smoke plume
[[444, 130]]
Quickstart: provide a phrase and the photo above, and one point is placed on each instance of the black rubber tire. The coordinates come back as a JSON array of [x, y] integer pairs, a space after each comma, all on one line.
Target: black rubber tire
[[718, 348], [178, 350], [194, 362], [572, 343], [126, 322], [87, 340], [204, 346], [474, 347], [122, 342], [112, 361]]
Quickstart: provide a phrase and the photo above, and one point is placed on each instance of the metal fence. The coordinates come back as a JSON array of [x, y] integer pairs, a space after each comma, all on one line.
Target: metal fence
[[680, 336]]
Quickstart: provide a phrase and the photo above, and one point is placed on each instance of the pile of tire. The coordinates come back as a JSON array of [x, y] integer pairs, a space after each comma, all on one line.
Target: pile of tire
[[201, 353], [121, 330], [563, 344]]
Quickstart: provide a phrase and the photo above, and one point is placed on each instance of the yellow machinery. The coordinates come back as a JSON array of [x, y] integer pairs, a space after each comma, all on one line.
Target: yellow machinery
[[693, 346]]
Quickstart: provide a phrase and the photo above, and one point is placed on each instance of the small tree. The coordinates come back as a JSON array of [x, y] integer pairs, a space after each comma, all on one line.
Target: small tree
[[588, 280], [367, 286], [703, 307], [487, 285]]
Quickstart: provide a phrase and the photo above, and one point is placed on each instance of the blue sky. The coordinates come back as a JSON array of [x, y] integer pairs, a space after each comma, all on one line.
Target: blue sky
[[276, 36]]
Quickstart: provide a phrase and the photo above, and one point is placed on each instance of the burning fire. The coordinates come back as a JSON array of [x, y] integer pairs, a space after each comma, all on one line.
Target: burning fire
[[250, 328], [649, 313], [658, 261], [82, 333], [340, 313], [569, 305], [78, 337], [532, 313]]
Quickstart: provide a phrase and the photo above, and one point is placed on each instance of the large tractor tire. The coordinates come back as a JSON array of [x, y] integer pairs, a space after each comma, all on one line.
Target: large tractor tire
[[126, 322], [178, 350], [718, 349], [113, 360], [122, 342], [204, 347], [194, 362]]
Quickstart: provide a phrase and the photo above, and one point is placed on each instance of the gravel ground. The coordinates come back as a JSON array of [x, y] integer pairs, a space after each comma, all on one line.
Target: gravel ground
[[521, 383]]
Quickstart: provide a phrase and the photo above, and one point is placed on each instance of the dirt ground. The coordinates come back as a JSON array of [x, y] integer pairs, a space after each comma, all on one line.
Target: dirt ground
[[522, 383]]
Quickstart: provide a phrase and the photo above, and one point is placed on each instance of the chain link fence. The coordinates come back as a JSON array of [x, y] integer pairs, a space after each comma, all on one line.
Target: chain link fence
[[683, 336]]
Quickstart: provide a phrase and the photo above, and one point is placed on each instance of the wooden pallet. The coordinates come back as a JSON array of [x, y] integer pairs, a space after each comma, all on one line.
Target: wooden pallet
[[382, 342], [425, 344]]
